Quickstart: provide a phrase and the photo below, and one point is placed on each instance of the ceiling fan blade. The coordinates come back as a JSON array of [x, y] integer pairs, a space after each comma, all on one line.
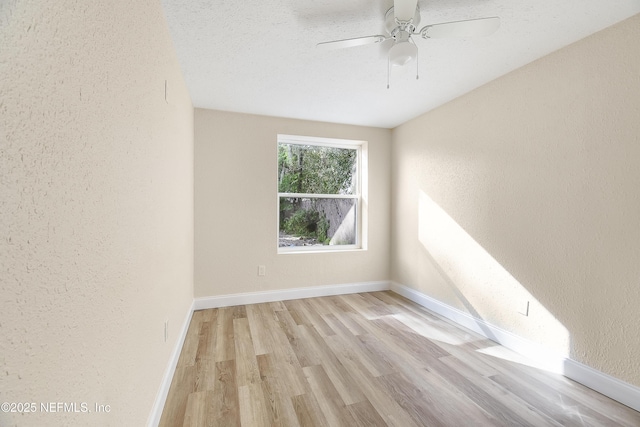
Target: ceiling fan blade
[[358, 41], [470, 28], [405, 10]]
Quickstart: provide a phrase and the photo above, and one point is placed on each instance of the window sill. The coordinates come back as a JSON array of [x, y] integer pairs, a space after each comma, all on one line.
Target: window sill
[[318, 250]]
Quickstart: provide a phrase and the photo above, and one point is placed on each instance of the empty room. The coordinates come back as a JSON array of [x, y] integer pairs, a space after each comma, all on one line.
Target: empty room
[[303, 213]]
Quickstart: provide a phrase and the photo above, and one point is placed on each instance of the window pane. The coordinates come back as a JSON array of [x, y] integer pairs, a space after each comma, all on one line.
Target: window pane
[[317, 222], [316, 170]]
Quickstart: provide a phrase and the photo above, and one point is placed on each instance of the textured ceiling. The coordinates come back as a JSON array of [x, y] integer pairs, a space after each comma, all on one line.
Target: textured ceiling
[[259, 57]]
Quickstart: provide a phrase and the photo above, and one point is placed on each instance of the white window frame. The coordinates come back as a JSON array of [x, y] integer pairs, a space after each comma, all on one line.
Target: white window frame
[[361, 195]]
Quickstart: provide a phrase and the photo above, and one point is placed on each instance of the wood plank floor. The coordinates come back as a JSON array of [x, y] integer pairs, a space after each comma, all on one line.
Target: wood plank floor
[[371, 359]]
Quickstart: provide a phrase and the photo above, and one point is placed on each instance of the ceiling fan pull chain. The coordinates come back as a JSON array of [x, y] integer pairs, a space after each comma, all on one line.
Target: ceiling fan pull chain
[[388, 70], [417, 61]]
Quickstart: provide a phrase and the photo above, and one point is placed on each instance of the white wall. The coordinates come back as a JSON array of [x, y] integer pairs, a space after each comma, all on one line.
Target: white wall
[[236, 207], [527, 189], [96, 207]]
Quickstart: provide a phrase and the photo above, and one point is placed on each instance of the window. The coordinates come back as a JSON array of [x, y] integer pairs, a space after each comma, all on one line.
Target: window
[[320, 194]]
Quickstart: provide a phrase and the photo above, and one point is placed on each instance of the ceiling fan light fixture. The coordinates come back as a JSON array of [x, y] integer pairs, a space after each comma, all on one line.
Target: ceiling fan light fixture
[[402, 53]]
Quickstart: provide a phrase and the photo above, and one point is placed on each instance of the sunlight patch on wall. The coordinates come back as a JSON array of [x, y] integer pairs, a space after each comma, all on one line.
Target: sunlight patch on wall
[[481, 284]]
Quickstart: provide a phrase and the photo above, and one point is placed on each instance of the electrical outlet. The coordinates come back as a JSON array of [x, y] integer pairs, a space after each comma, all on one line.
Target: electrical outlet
[[524, 310], [262, 270], [166, 330]]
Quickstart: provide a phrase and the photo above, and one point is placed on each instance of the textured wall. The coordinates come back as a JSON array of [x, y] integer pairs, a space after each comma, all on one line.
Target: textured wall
[[236, 207], [535, 177], [96, 204]]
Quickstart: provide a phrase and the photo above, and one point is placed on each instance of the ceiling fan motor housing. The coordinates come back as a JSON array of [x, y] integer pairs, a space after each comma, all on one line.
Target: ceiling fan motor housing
[[391, 25]]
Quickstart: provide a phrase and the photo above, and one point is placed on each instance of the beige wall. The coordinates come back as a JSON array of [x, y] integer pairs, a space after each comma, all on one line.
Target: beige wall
[[236, 207], [96, 207], [528, 189]]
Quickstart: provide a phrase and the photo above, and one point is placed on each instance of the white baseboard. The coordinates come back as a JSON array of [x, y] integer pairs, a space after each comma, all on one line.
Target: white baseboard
[[287, 294], [607, 385], [616, 389], [161, 397]]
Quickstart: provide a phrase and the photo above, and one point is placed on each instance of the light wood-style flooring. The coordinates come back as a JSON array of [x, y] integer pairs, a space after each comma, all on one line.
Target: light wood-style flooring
[[371, 359]]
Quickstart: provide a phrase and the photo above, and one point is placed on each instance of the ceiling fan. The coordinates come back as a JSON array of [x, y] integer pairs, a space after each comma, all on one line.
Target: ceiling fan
[[401, 22]]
